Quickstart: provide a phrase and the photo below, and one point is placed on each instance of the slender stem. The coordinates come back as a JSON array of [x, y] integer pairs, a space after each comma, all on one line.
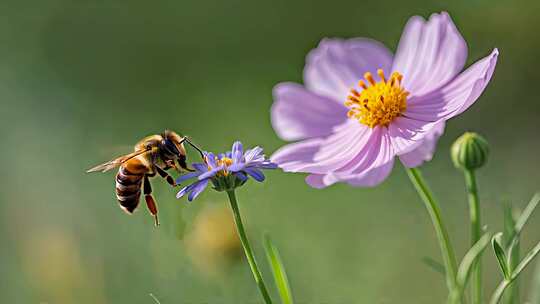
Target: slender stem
[[434, 211], [247, 248], [497, 295], [476, 233]]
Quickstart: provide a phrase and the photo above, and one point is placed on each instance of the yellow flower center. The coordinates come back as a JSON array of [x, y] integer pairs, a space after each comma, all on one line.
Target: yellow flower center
[[380, 103], [225, 161]]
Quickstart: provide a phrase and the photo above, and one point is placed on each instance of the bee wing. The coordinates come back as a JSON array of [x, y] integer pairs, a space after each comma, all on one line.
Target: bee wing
[[116, 162]]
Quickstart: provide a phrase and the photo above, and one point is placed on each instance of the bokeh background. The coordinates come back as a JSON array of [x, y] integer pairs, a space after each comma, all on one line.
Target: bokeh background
[[82, 81]]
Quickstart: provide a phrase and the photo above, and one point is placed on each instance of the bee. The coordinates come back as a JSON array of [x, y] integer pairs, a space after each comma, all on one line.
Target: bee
[[153, 154]]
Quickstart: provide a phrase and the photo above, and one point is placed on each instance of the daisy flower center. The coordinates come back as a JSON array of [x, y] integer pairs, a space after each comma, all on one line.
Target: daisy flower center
[[224, 161], [379, 103]]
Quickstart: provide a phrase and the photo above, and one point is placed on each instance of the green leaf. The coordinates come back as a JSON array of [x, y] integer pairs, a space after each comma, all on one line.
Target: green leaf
[[511, 239], [527, 212], [433, 264], [499, 253], [470, 257], [278, 270], [526, 260]]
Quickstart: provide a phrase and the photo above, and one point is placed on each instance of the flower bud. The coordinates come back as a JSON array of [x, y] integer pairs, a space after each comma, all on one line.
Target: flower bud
[[470, 151]]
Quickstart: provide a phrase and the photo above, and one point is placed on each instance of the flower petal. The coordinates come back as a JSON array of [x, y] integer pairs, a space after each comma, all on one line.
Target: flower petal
[[197, 189], [255, 173], [293, 156], [264, 165], [298, 113], [378, 152], [324, 155], [369, 178], [187, 176], [236, 167], [429, 53], [372, 177], [424, 152], [210, 173], [185, 190], [407, 133], [237, 152], [253, 153], [336, 65], [200, 167], [455, 97], [241, 176], [211, 159]]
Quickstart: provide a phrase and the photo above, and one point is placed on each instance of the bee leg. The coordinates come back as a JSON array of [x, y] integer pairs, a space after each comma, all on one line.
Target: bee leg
[[166, 176], [183, 164], [150, 202]]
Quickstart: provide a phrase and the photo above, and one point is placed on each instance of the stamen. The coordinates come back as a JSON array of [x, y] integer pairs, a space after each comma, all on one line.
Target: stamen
[[362, 84], [369, 78], [381, 74], [380, 103]]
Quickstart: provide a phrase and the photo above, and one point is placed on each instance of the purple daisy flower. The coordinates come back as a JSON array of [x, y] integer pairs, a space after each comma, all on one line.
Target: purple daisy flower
[[226, 171], [353, 134]]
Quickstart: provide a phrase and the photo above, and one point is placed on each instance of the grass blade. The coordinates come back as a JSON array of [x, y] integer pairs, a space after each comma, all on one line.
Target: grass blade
[[527, 212], [470, 257], [434, 265], [526, 260], [278, 270], [511, 239]]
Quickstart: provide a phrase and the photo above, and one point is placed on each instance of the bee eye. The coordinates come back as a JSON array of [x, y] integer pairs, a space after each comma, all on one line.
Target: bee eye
[[171, 147]]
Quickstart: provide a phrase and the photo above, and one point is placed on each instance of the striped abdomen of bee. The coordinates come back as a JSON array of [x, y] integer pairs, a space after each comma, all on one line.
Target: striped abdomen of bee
[[129, 181]]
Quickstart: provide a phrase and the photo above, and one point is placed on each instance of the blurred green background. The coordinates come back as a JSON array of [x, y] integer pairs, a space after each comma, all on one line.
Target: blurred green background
[[82, 81]]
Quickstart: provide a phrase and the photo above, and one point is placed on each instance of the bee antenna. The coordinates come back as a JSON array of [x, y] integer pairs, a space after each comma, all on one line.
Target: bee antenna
[[186, 139]]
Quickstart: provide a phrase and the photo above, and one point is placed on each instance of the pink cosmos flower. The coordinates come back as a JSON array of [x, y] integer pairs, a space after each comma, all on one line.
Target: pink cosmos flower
[[349, 129]]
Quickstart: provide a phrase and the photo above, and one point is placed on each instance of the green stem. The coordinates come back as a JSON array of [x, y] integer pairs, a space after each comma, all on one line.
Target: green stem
[[434, 211], [497, 295], [476, 233], [247, 248]]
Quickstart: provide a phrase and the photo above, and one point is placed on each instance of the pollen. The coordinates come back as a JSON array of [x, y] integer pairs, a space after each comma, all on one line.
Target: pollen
[[226, 162], [378, 103]]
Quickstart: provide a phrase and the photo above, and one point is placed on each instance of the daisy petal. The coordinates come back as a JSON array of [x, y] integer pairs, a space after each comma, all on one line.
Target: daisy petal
[[241, 176], [457, 96], [197, 189], [200, 167], [255, 173], [187, 176], [184, 190], [210, 173], [425, 151], [236, 167], [429, 53], [237, 152], [211, 160], [298, 113], [336, 65], [253, 153]]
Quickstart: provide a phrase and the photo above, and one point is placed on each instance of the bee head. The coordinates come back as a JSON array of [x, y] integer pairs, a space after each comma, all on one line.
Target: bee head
[[172, 144]]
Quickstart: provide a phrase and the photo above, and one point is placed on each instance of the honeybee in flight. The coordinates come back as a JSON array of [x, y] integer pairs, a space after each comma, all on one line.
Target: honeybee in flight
[[153, 154]]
